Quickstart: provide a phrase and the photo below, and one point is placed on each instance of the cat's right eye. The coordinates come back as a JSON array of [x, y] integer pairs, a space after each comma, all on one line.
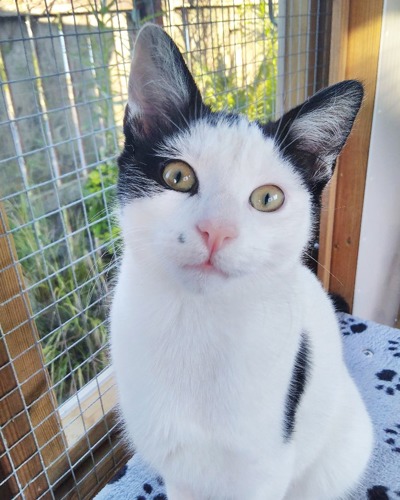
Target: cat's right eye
[[179, 176]]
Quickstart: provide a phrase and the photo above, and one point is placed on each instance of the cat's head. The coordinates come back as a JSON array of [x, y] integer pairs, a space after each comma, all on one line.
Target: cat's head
[[210, 197]]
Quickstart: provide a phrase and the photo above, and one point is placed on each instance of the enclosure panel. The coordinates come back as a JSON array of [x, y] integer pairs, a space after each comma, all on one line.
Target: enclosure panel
[[300, 43], [47, 52], [18, 70]]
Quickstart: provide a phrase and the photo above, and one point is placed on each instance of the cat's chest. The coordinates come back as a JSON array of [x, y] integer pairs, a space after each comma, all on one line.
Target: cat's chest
[[205, 364]]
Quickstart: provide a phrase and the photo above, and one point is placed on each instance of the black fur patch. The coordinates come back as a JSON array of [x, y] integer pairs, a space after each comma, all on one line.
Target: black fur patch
[[339, 303], [140, 167], [306, 162], [297, 385]]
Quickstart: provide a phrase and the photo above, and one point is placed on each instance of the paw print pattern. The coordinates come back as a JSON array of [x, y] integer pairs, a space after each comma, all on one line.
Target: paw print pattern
[[393, 438], [391, 382], [394, 347], [379, 492], [148, 490], [350, 326]]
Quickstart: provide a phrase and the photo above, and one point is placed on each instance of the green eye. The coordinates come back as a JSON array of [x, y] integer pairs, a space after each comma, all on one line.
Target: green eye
[[267, 198], [179, 176]]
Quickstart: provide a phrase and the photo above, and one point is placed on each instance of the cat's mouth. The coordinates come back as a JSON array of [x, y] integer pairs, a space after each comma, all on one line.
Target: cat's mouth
[[207, 268]]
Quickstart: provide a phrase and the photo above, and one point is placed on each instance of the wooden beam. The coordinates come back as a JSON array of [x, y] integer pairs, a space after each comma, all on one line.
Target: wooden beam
[[337, 72], [362, 54], [33, 441]]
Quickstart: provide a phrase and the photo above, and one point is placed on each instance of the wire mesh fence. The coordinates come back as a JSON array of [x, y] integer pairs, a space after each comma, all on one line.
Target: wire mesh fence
[[64, 69]]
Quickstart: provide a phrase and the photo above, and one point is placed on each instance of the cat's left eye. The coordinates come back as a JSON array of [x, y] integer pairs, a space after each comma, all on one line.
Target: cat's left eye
[[267, 198], [179, 176]]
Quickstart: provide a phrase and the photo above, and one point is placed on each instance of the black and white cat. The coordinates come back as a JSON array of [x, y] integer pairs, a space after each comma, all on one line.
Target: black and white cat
[[226, 349]]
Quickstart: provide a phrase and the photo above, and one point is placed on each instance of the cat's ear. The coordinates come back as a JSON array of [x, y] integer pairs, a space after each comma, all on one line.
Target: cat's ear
[[162, 93], [312, 135]]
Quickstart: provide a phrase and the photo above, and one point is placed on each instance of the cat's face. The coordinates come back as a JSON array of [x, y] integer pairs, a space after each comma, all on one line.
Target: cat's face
[[208, 197], [216, 234]]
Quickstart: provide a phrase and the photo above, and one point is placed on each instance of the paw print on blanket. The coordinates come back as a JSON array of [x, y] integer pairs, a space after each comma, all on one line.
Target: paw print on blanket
[[393, 438], [389, 382], [148, 489], [350, 326], [379, 492], [394, 347]]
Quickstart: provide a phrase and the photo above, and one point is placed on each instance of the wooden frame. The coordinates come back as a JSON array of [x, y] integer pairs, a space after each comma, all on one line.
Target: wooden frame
[[355, 42]]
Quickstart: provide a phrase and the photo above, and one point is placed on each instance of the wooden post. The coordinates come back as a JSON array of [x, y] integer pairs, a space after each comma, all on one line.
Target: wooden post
[[340, 230], [337, 67]]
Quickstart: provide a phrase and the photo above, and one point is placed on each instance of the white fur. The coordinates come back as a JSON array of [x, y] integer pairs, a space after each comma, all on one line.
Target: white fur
[[154, 82], [321, 132], [203, 361]]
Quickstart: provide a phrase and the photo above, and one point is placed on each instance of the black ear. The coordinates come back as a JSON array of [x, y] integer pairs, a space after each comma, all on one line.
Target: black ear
[[162, 92], [312, 135]]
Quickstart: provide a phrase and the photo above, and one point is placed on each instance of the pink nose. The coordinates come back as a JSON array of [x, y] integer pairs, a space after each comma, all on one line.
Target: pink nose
[[216, 234]]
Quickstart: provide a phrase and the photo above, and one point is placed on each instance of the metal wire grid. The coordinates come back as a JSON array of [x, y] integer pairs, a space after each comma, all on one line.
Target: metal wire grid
[[64, 77]]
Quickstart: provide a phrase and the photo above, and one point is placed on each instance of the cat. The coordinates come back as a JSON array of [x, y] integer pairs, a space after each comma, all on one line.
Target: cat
[[226, 349]]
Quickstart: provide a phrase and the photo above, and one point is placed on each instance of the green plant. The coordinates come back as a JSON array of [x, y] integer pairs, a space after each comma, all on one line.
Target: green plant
[[256, 101], [99, 191], [65, 295], [250, 89]]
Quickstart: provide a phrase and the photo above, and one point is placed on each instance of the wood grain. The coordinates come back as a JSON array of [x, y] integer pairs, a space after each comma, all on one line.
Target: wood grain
[[362, 54], [28, 411], [337, 72]]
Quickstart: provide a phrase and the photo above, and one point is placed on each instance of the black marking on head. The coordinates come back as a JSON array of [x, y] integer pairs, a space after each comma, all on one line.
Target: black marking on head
[[297, 385], [181, 238], [311, 135], [141, 165], [163, 101]]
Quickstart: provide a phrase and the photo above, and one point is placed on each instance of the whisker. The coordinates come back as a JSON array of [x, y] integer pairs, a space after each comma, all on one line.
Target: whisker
[[323, 267]]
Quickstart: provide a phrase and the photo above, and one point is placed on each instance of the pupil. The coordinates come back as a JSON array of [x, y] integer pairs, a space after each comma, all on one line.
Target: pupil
[[267, 199], [178, 177]]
